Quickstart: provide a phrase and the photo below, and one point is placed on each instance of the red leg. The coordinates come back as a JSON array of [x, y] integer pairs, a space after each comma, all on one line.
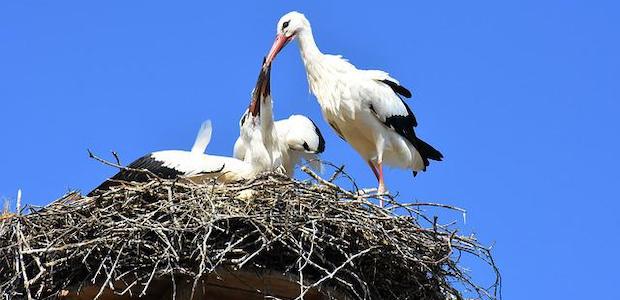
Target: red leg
[[373, 168], [381, 189]]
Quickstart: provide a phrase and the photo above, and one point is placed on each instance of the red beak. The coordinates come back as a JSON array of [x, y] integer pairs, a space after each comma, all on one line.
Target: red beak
[[278, 44], [262, 89]]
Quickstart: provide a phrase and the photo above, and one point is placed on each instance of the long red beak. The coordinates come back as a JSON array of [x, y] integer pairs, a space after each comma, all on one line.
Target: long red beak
[[278, 44], [262, 89]]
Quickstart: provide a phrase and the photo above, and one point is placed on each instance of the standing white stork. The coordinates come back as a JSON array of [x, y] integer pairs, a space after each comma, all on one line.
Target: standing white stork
[[287, 141], [364, 107], [197, 166]]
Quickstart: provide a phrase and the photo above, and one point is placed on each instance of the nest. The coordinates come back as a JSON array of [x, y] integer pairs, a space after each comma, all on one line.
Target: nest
[[321, 235]]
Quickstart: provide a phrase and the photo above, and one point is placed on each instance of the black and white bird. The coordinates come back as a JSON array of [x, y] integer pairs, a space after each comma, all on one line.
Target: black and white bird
[[364, 107], [299, 139], [287, 141], [258, 139], [195, 165]]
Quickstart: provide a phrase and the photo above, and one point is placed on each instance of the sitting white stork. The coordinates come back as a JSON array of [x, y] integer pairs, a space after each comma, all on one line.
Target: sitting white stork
[[299, 138], [288, 140], [364, 107], [197, 166], [193, 165]]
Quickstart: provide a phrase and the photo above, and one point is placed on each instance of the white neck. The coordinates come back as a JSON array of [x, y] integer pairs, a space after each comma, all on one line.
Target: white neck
[[266, 114], [307, 46], [311, 55], [270, 138]]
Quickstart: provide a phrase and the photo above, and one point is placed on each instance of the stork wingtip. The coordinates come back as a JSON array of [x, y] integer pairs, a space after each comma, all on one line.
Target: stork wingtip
[[440, 157], [403, 91], [206, 124]]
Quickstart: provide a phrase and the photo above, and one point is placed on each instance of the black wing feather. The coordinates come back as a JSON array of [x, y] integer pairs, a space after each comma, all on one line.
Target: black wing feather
[[404, 125], [397, 88], [145, 162], [321, 147]]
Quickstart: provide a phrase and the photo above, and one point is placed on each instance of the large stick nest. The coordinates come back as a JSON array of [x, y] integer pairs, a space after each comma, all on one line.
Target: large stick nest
[[325, 236]]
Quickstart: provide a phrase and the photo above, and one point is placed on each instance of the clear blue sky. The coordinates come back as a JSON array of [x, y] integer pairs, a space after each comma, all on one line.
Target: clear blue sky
[[520, 96]]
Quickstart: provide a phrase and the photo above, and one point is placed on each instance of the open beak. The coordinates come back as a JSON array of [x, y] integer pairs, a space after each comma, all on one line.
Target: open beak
[[262, 89], [278, 44]]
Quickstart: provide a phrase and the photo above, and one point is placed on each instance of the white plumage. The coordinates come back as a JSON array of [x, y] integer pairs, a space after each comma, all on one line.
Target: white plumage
[[197, 166], [258, 140], [193, 165], [303, 141], [362, 106], [299, 139], [285, 142], [202, 138]]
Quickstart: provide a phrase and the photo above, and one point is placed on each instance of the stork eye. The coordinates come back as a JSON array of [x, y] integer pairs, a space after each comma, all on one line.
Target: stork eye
[[285, 24]]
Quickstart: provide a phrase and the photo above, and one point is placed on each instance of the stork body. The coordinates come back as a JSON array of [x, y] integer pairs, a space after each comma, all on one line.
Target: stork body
[[298, 138], [194, 165], [364, 107], [197, 166]]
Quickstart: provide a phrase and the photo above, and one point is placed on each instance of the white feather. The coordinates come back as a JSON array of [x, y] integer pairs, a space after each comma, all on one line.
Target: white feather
[[202, 138], [355, 102], [199, 166]]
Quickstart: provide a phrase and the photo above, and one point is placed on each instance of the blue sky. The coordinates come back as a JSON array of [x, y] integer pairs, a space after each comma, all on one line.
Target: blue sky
[[520, 96]]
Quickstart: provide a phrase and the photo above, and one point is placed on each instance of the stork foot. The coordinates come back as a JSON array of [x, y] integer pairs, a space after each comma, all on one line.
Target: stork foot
[[382, 190]]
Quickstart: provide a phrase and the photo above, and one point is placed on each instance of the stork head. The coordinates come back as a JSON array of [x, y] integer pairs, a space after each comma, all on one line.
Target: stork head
[[288, 27]]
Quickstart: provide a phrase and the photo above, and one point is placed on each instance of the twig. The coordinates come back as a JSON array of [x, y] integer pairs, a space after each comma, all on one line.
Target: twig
[[118, 160], [321, 236]]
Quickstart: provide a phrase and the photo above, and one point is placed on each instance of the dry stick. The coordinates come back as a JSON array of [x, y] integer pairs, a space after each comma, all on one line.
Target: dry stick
[[343, 173], [463, 211], [325, 182], [336, 173], [321, 268], [105, 162], [283, 211], [150, 279], [68, 246], [20, 249], [110, 272], [331, 275], [118, 160], [307, 259], [301, 271]]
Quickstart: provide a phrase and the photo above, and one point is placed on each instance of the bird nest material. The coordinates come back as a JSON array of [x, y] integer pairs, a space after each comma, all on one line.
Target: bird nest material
[[322, 235]]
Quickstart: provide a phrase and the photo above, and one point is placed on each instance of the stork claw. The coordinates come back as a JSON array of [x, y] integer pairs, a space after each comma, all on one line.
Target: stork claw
[[382, 190]]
